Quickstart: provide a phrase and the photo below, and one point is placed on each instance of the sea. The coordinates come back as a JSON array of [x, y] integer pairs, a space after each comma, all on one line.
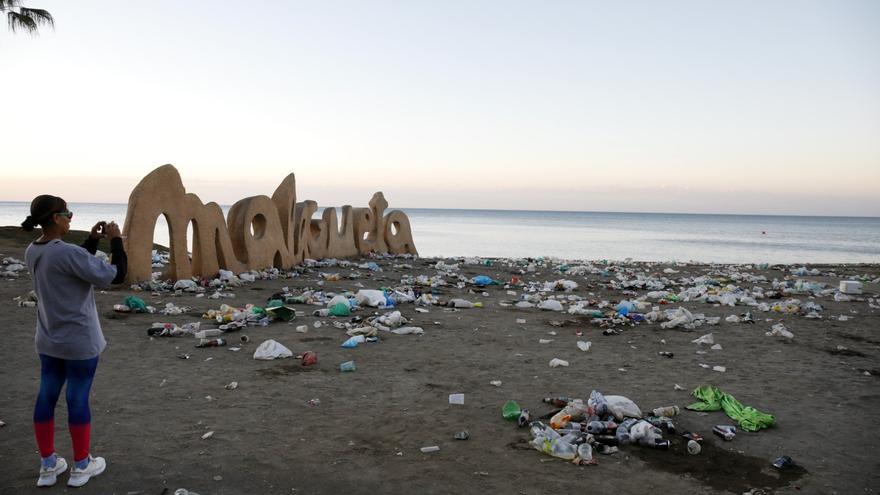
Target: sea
[[573, 235]]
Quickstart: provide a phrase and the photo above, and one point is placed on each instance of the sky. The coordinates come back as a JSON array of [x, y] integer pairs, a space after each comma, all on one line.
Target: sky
[[681, 106]]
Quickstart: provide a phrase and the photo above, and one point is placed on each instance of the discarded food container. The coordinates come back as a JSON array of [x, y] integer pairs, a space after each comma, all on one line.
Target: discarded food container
[[850, 287], [456, 398], [347, 366]]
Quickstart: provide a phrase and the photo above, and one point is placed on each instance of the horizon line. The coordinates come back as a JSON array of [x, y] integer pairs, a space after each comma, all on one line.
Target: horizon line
[[552, 211]]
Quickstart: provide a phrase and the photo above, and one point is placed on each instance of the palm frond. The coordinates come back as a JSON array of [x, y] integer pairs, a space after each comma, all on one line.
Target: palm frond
[[29, 19], [9, 5]]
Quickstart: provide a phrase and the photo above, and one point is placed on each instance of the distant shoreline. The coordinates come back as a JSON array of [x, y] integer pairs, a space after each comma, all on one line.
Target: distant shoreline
[[571, 212]]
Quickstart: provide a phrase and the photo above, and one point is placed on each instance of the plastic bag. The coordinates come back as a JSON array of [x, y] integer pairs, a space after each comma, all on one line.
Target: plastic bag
[[550, 305], [622, 407], [370, 297], [270, 350]]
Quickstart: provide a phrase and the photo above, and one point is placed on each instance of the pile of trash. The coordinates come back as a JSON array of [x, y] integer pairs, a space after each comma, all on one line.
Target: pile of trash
[[601, 424], [605, 423]]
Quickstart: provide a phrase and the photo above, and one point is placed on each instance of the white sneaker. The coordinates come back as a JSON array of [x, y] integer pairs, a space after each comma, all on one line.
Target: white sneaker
[[79, 477], [49, 476]]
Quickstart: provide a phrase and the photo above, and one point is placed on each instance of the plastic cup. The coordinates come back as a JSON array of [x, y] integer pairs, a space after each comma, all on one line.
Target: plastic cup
[[347, 366]]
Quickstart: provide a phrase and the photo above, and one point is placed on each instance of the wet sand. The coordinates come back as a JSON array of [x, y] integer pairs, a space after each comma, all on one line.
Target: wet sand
[[150, 408]]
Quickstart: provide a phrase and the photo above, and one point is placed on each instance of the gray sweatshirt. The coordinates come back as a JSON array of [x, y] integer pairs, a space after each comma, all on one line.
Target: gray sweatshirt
[[67, 318]]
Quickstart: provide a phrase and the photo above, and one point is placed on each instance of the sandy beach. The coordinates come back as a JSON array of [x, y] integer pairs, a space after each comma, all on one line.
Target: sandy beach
[[363, 434]]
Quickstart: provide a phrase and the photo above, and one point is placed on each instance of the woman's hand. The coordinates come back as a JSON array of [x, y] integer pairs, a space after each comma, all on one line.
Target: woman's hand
[[111, 231], [99, 230]]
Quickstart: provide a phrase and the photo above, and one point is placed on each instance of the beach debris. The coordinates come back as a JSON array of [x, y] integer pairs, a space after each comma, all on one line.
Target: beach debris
[[780, 331], [28, 300], [308, 358], [347, 366], [584, 346], [850, 287], [556, 362], [12, 267], [430, 449], [271, 349], [783, 462], [456, 399], [707, 339], [231, 386], [207, 435], [133, 304], [550, 305]]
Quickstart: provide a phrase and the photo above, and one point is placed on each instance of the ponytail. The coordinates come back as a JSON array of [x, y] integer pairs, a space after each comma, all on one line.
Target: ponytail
[[28, 224], [43, 207]]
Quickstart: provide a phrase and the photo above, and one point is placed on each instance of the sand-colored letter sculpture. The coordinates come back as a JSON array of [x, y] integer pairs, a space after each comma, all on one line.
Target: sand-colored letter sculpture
[[259, 232]]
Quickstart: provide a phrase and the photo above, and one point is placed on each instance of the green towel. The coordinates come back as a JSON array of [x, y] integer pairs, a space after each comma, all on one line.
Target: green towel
[[713, 399]]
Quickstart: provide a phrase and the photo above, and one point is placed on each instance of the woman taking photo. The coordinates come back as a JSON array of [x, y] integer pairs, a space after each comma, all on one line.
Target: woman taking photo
[[68, 337]]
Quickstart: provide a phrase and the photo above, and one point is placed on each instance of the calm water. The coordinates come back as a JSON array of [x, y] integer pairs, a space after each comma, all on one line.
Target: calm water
[[587, 235]]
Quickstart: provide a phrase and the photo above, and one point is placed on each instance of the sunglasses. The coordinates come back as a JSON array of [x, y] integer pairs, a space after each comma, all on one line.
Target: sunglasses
[[66, 214]]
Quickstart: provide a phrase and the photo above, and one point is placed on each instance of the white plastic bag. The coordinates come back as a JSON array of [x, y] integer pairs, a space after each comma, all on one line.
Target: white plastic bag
[[621, 407], [408, 330], [270, 350], [370, 297], [550, 305]]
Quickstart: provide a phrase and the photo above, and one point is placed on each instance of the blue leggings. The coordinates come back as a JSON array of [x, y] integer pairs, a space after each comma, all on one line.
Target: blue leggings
[[79, 375]]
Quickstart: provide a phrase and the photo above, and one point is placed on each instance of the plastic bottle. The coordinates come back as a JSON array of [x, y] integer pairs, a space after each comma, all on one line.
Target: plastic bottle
[[622, 437], [560, 419], [599, 427], [556, 401], [598, 403], [208, 333], [667, 411], [212, 342], [562, 449], [585, 453]]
